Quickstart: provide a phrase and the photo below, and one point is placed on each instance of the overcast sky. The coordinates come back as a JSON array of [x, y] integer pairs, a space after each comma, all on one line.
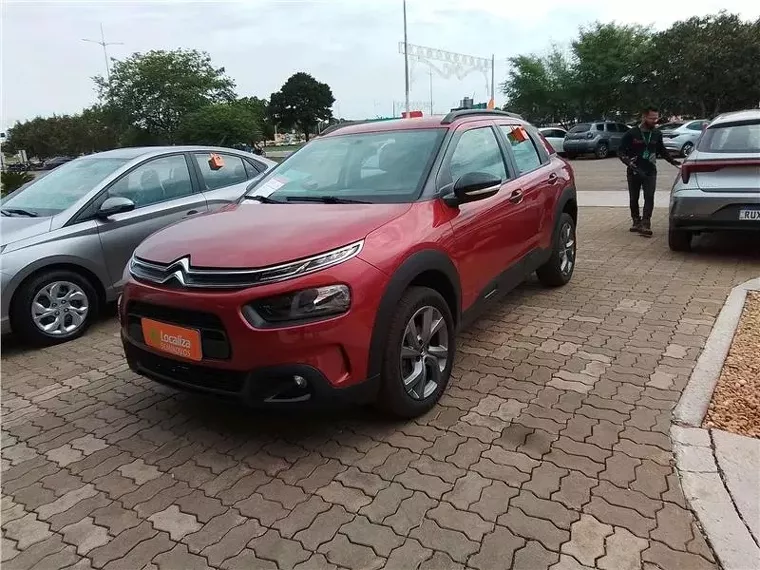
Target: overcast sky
[[352, 45]]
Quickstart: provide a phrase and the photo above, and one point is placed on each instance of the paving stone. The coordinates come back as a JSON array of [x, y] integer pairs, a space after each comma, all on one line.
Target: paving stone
[[554, 511], [121, 544], [213, 531], [315, 562], [569, 563], [454, 543], [27, 530], [88, 444], [410, 513], [301, 517], [139, 472], [58, 560], [284, 552], [34, 496], [324, 527], [497, 550], [342, 552], [115, 518], [180, 558], [440, 561], [64, 455], [587, 540], [623, 551], [266, 511], [533, 556], [494, 500], [440, 469], [575, 490], [467, 490], [627, 498], [529, 527], [468, 523], [409, 556], [380, 538], [142, 554], [386, 502], [232, 543], [620, 516], [370, 483], [175, 522], [350, 498], [669, 559], [85, 535]]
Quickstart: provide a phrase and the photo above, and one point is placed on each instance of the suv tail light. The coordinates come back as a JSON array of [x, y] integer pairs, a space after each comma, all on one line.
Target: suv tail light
[[690, 167]]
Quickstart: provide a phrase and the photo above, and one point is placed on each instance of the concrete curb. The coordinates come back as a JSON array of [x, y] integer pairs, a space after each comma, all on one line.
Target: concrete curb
[[701, 466]]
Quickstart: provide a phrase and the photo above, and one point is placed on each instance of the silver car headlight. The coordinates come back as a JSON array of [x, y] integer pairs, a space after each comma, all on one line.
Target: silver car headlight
[[304, 305]]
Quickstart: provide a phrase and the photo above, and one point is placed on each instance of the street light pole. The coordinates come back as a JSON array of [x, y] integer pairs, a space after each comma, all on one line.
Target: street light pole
[[406, 64], [104, 44]]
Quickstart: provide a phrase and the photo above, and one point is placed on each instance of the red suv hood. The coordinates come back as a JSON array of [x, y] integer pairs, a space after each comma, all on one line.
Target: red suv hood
[[252, 235]]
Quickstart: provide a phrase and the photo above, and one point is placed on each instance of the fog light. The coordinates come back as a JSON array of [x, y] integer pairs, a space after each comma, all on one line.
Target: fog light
[[300, 381]]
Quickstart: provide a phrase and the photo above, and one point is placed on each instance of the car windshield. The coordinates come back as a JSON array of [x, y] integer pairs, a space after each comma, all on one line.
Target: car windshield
[[387, 166], [582, 128], [63, 187], [732, 137]]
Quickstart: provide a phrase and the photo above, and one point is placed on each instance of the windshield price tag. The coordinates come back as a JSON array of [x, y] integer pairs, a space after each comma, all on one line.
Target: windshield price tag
[[271, 186]]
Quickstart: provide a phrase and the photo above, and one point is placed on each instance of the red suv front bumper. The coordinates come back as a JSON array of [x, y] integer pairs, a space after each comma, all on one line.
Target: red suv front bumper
[[317, 362]]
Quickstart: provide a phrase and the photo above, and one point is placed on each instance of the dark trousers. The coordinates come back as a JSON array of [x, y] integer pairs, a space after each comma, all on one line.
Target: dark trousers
[[638, 181]]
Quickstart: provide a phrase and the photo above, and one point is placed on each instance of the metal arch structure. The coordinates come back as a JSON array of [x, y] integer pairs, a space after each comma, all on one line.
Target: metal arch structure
[[449, 64]]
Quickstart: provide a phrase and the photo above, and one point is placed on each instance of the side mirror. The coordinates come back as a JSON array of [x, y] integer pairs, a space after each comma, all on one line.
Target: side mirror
[[115, 205], [472, 187]]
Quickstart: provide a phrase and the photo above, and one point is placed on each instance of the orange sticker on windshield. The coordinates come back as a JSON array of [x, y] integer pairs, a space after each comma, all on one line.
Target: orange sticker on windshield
[[215, 162]]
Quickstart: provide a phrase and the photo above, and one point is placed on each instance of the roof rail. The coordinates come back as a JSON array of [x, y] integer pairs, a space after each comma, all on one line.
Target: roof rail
[[458, 114]]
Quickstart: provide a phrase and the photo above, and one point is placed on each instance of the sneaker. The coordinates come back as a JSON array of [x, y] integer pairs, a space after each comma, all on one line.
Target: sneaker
[[646, 228], [635, 227]]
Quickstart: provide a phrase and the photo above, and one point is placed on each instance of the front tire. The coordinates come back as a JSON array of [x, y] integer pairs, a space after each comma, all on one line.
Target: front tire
[[419, 354], [558, 270], [679, 240], [686, 149], [54, 307], [602, 150]]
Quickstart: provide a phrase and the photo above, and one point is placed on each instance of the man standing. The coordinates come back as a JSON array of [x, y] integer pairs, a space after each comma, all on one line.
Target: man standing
[[638, 151]]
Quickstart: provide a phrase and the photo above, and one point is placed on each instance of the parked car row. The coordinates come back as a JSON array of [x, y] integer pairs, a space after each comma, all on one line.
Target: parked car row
[[602, 138], [340, 275]]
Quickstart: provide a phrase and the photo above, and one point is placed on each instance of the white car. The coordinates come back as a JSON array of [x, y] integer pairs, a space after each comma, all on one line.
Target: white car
[[556, 138]]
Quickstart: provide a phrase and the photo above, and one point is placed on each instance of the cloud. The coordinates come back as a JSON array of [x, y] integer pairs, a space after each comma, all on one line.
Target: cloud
[[350, 44]]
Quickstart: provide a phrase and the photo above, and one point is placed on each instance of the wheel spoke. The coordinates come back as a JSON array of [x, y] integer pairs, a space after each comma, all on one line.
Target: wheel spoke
[[411, 336], [408, 352], [439, 352], [59, 308], [421, 382], [427, 325]]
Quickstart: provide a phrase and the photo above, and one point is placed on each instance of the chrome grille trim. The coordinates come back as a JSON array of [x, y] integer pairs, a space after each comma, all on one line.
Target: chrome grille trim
[[181, 273]]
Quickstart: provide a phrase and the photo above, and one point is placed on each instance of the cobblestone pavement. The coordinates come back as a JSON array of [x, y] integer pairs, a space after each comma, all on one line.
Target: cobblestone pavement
[[549, 450]]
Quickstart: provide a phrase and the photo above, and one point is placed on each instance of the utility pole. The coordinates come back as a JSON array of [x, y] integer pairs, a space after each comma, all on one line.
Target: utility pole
[[104, 44], [406, 64], [430, 71], [492, 102]]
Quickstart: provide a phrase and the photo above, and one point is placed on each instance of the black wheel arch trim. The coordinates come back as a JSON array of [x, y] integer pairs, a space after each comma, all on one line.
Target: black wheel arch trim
[[568, 195], [412, 267]]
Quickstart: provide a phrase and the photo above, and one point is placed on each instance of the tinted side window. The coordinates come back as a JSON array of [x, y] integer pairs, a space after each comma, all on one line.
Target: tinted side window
[[695, 126], [477, 151], [155, 181], [523, 149], [599, 126], [610, 127], [250, 170], [233, 171]]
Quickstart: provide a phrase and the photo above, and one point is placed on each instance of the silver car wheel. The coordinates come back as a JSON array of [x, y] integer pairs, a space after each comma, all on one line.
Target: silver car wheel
[[566, 249], [687, 148], [60, 308], [424, 352]]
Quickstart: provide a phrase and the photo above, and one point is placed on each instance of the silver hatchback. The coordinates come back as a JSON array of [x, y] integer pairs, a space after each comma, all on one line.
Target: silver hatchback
[[718, 187], [67, 236]]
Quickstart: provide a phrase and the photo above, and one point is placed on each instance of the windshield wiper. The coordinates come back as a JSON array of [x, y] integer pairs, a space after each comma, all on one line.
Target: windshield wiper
[[325, 200], [263, 199], [19, 212]]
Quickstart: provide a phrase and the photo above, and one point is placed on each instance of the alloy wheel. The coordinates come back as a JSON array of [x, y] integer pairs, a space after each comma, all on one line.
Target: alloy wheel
[[566, 249], [424, 352], [687, 148], [60, 308]]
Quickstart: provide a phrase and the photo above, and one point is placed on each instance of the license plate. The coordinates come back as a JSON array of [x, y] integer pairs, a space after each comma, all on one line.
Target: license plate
[[749, 215], [178, 341]]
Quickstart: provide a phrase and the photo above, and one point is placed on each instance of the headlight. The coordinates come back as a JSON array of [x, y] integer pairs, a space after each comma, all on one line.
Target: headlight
[[590, 135], [304, 305]]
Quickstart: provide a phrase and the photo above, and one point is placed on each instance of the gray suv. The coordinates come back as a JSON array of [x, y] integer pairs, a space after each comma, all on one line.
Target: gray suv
[[718, 187], [67, 236], [600, 138]]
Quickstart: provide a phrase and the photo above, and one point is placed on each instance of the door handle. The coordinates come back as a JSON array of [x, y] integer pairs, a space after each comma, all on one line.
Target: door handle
[[191, 212], [516, 196], [553, 178]]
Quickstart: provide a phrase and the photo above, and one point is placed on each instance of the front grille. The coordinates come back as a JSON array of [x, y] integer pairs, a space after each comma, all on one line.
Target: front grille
[[180, 273], [193, 375], [214, 341]]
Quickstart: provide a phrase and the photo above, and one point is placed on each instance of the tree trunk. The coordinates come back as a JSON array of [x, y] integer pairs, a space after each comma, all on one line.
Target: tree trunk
[[306, 134]]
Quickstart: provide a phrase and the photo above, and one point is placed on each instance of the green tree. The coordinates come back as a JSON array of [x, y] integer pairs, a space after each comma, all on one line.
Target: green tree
[[301, 103], [608, 58], [706, 65], [260, 108], [542, 89], [155, 90], [221, 124]]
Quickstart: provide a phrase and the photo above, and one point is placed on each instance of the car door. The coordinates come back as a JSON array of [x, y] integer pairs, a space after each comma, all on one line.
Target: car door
[[487, 233], [614, 135], [534, 175], [163, 192], [225, 184]]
